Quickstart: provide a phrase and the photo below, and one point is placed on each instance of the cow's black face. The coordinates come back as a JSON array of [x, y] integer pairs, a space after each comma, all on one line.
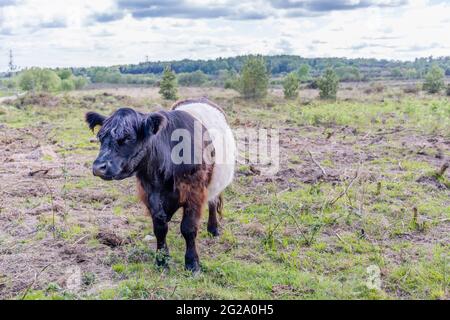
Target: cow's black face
[[116, 153], [122, 137]]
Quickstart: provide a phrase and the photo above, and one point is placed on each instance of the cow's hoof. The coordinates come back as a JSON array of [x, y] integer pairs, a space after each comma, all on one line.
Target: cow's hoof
[[214, 231], [194, 267], [162, 260], [162, 264]]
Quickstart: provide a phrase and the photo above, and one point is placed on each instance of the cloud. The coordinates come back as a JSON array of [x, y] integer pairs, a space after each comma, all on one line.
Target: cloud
[[418, 48], [285, 46], [364, 45], [107, 17], [233, 10], [6, 31], [331, 5], [4, 3], [238, 9], [110, 32], [56, 23]]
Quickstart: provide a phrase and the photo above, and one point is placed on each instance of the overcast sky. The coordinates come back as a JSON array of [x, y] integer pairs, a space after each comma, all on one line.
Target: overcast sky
[[106, 32]]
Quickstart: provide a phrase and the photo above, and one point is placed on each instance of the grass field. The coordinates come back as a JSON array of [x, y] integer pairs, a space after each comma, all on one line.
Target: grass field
[[381, 204]]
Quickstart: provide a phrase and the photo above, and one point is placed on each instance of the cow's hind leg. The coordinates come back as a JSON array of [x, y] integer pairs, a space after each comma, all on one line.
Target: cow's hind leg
[[189, 229], [215, 207]]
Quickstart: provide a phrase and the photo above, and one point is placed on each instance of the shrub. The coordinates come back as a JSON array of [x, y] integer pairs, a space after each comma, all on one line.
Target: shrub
[[64, 74], [291, 85], [67, 85], [36, 79], [304, 73], [328, 85], [378, 87], [254, 80], [397, 73], [411, 89], [434, 80], [314, 84], [79, 82], [192, 79], [10, 83], [348, 73], [448, 90], [168, 85]]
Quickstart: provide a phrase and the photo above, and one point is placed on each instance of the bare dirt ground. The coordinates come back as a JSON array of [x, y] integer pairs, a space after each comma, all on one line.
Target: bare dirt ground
[[60, 226]]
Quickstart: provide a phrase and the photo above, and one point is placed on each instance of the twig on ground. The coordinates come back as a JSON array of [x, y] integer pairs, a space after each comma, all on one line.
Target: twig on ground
[[317, 163], [79, 240], [366, 135], [53, 208], [36, 276], [343, 241], [443, 169], [343, 193], [44, 171]]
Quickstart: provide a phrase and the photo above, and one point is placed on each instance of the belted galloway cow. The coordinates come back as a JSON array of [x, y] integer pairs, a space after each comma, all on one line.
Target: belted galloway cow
[[182, 158]]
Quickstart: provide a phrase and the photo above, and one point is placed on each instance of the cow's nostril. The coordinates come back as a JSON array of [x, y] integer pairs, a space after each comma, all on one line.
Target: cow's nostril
[[99, 169]]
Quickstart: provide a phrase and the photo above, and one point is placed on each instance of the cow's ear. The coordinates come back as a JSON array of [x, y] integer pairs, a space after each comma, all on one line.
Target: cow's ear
[[94, 119], [153, 123]]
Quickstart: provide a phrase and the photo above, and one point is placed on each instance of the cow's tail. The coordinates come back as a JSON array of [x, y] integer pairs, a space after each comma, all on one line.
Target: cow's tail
[[220, 205]]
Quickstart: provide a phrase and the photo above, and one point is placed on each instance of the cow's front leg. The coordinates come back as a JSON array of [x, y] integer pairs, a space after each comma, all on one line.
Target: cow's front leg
[[189, 229], [160, 229]]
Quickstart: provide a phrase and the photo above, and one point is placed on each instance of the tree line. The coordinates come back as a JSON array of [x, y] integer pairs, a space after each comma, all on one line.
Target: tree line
[[347, 69], [253, 81]]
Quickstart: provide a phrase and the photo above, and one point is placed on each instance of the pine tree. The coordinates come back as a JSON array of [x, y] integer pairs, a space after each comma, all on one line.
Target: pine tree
[[168, 84], [434, 80], [291, 85], [254, 80], [304, 73], [328, 85]]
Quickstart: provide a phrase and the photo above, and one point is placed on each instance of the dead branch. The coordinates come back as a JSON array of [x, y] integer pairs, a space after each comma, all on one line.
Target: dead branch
[[44, 171], [34, 281], [443, 169], [317, 163], [343, 193]]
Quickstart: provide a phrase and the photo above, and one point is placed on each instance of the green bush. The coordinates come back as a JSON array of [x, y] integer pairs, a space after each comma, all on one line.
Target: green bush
[[64, 74], [168, 85], [254, 79], [9, 83], [114, 76], [291, 85], [328, 85], [347, 73], [304, 73], [80, 82], [192, 79], [67, 85], [313, 84], [37, 79], [448, 90], [434, 80]]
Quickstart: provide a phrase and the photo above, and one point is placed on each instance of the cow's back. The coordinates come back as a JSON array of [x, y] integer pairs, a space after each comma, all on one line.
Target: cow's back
[[214, 120]]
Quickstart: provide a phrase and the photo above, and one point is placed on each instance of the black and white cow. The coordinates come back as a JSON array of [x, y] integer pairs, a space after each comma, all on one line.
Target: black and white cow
[[174, 167]]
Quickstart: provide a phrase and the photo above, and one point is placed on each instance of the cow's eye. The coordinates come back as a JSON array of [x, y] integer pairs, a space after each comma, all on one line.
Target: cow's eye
[[122, 141]]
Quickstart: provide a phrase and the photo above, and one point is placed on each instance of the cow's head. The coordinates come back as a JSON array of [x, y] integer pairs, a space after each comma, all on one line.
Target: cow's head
[[123, 138]]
